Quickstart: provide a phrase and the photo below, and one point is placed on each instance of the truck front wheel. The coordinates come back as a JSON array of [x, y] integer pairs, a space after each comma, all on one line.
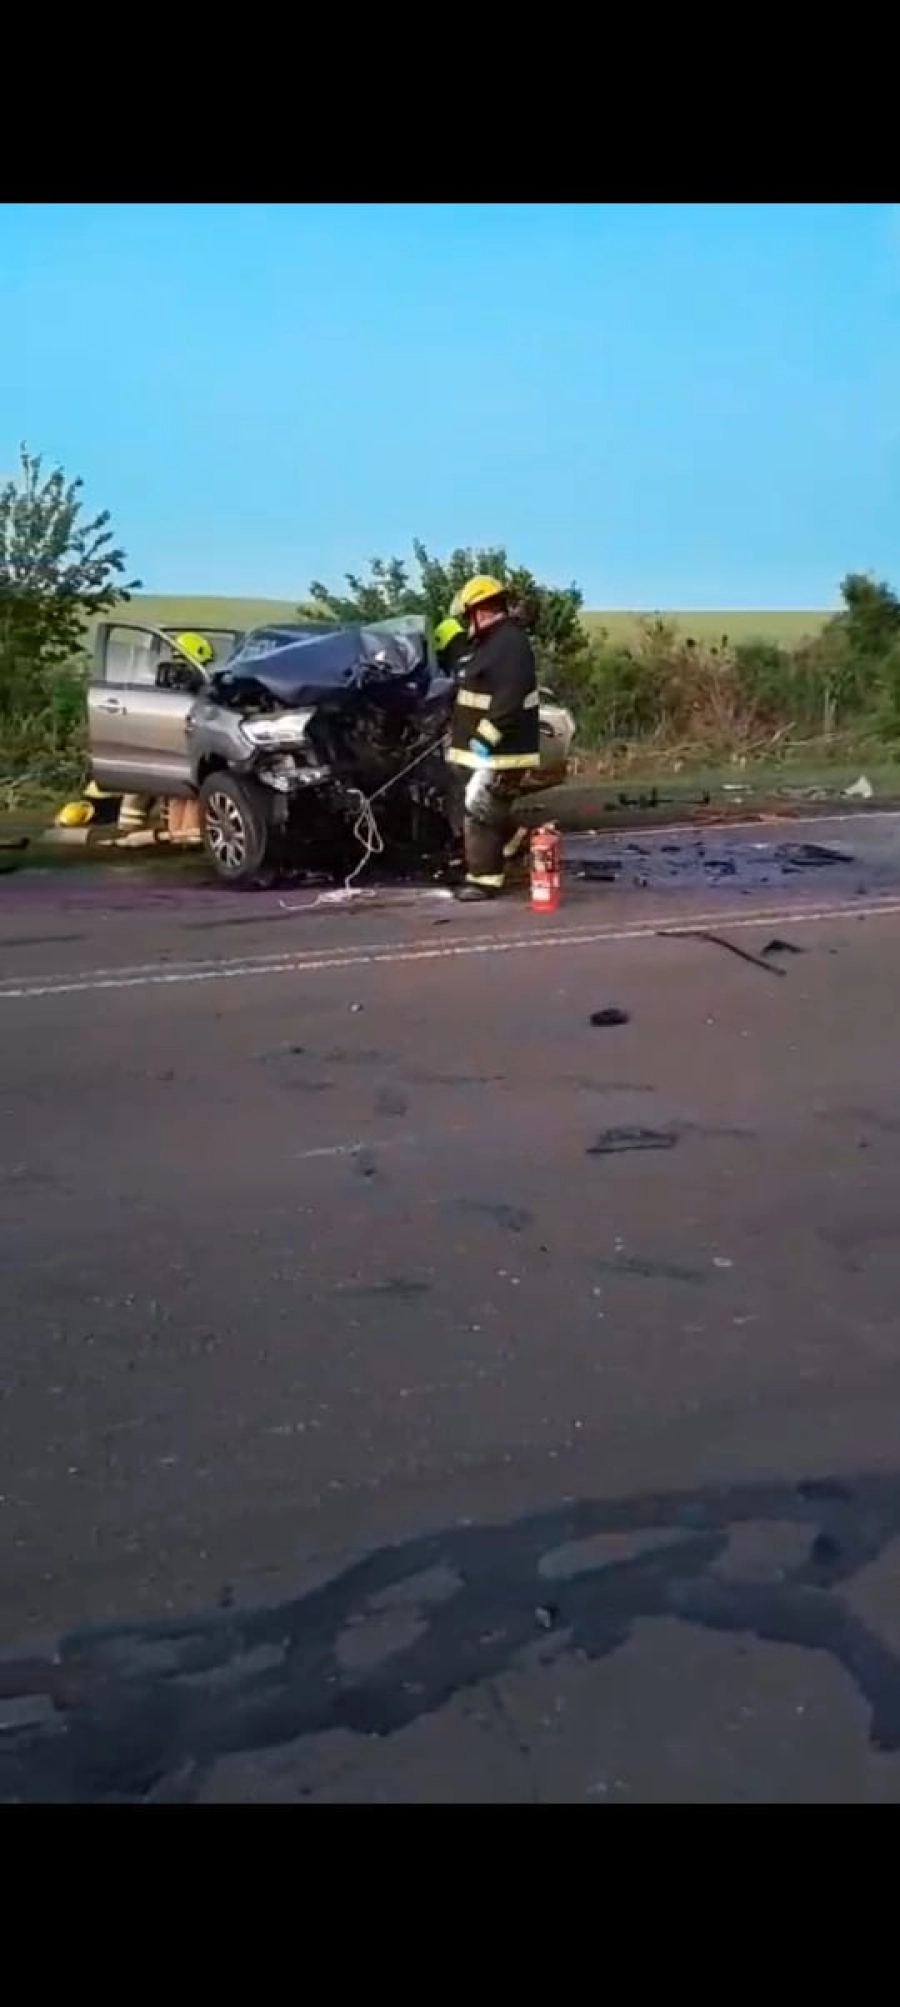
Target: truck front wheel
[[236, 828]]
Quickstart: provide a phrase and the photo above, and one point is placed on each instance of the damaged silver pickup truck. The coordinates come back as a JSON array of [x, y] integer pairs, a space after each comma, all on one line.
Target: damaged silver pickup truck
[[305, 746]]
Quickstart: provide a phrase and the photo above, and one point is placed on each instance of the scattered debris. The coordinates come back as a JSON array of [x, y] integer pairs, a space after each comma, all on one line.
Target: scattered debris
[[777, 947], [595, 871], [611, 1142], [811, 856], [355, 1007], [719, 941], [611, 1016], [722, 1261], [862, 789], [545, 1616]]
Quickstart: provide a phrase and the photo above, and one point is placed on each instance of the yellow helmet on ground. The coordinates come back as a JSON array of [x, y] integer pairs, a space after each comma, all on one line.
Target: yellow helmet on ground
[[196, 646], [476, 592], [447, 631], [75, 815]]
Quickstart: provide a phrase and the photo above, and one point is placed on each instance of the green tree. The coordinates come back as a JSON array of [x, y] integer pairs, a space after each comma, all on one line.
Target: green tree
[[57, 568], [846, 663], [393, 587]]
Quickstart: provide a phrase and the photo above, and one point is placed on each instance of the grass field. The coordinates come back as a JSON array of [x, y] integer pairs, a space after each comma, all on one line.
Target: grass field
[[164, 610]]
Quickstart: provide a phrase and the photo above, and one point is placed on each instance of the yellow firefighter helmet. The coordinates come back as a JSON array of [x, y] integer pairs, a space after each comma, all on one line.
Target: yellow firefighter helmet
[[75, 815], [447, 631], [196, 646], [478, 592]]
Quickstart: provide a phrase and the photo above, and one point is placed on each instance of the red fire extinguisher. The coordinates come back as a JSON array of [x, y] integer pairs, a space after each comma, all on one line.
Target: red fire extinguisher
[[545, 869]]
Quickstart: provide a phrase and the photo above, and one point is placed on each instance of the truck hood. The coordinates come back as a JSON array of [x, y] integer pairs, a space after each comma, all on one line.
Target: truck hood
[[299, 666]]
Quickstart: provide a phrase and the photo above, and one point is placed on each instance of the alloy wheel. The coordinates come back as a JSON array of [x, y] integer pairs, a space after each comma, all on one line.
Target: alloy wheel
[[225, 832]]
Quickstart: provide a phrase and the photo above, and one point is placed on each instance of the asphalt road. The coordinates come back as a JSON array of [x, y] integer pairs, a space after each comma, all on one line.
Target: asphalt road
[[412, 1391]]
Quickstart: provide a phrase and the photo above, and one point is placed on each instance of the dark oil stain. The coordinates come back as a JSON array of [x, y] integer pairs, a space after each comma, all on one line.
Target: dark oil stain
[[825, 1552], [402, 1287], [424, 1078], [514, 1218], [356, 1055], [389, 1101], [608, 1086], [39, 940], [147, 1709], [611, 1142], [257, 919], [733, 1134], [638, 1265]]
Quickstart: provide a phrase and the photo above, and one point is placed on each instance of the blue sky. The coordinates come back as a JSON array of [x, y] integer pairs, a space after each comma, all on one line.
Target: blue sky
[[676, 404]]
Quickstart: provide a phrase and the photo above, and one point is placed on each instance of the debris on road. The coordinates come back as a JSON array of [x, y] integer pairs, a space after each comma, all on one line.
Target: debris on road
[[682, 860], [811, 856], [611, 1142], [861, 790], [719, 941], [604, 1019], [596, 871], [778, 947]]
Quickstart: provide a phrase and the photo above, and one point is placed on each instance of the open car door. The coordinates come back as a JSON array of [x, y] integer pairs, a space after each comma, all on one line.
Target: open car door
[[142, 687]]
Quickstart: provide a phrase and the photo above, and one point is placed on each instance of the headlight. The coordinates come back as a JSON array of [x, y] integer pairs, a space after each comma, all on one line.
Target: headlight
[[286, 728]]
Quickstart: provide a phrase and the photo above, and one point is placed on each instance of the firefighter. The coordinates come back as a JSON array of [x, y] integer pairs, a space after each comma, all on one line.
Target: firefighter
[[137, 809], [451, 645], [196, 647], [495, 732]]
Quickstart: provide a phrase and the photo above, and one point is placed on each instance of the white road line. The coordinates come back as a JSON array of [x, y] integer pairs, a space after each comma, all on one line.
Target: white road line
[[307, 962]]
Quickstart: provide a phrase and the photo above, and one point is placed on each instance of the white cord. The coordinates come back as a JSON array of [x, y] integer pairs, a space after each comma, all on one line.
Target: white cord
[[366, 830], [367, 834]]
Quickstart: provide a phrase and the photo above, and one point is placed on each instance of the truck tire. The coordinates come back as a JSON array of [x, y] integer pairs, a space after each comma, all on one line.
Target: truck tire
[[236, 828]]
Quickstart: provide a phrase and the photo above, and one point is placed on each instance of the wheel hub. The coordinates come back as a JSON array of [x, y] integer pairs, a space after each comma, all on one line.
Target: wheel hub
[[225, 832]]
